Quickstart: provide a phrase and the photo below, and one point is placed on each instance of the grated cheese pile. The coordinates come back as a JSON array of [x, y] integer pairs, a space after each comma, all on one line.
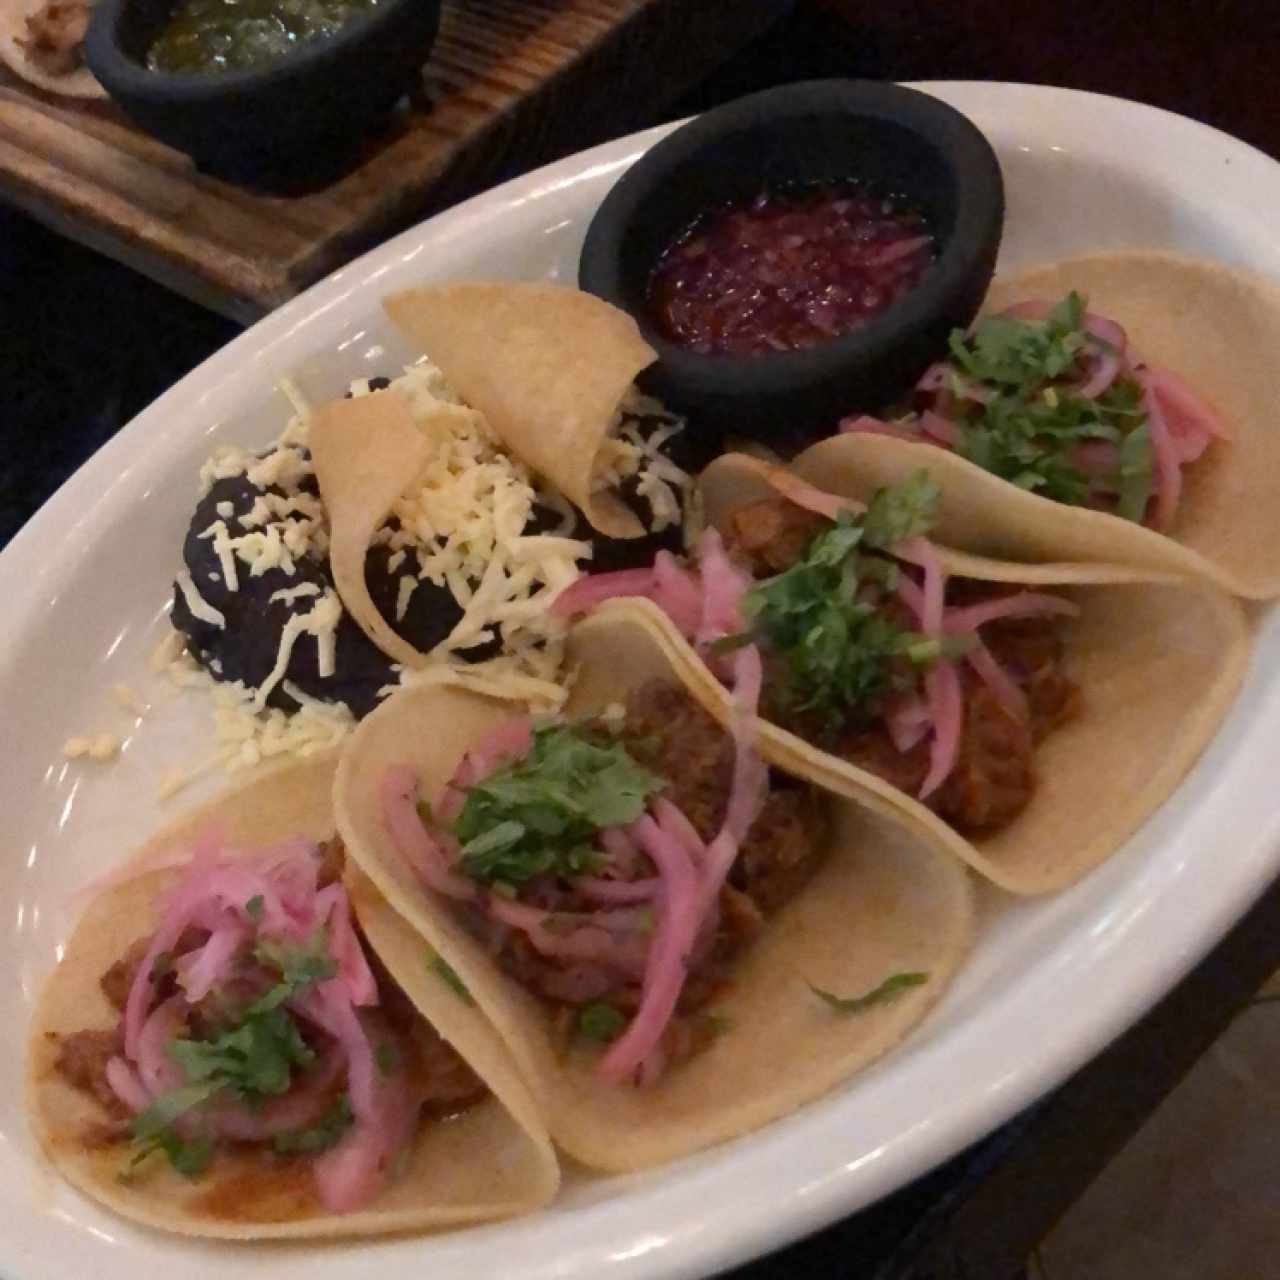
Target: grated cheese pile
[[628, 453]]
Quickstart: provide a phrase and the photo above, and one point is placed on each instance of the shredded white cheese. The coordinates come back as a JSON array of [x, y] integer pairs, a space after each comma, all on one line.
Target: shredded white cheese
[[199, 606], [288, 594], [320, 621], [629, 452]]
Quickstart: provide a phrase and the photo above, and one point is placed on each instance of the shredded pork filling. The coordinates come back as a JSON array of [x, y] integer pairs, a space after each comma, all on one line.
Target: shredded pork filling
[[993, 777], [417, 1074], [668, 732]]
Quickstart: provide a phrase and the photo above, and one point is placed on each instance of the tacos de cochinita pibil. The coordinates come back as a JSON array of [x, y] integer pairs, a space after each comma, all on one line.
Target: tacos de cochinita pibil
[[1029, 717], [242, 1041], [677, 940], [1114, 409]]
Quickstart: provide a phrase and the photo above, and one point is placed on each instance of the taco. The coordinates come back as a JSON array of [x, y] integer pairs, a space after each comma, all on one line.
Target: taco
[[1113, 409], [43, 42], [226, 1050], [677, 940], [980, 699]]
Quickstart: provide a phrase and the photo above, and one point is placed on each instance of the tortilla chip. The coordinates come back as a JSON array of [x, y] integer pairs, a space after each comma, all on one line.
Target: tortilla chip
[[1158, 658], [80, 83], [367, 451], [1216, 328], [546, 365], [884, 902], [492, 1161]]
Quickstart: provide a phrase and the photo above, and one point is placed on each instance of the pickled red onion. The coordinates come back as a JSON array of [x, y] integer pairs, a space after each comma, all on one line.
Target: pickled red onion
[[614, 892], [907, 722], [939, 429], [999, 681], [1023, 604], [308, 1099], [350, 1173], [200, 971], [665, 970], [1167, 469], [750, 775], [126, 1086], [1192, 422], [946, 711], [157, 1071], [723, 586], [334, 908], [508, 741], [417, 846]]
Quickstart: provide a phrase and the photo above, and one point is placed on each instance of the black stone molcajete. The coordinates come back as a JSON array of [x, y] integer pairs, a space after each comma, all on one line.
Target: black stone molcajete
[[298, 119], [895, 140]]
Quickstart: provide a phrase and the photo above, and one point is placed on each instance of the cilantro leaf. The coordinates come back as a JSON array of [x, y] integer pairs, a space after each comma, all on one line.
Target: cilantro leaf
[[298, 965], [841, 653], [539, 816], [324, 1134], [448, 975], [600, 1022], [1035, 429], [904, 511], [253, 908], [889, 989], [255, 1059], [152, 1131]]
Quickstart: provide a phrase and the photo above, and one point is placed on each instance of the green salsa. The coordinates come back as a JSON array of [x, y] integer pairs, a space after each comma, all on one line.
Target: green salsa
[[244, 35]]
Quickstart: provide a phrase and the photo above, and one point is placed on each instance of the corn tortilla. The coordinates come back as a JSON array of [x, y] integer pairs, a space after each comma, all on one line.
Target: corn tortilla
[[547, 366]]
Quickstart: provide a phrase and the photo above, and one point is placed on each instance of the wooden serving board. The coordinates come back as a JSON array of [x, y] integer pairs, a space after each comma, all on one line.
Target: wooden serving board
[[510, 84]]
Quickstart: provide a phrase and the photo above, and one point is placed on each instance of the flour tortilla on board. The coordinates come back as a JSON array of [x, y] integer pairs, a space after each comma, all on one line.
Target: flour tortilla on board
[[1215, 327], [546, 365], [79, 83], [1158, 660], [492, 1161], [885, 901]]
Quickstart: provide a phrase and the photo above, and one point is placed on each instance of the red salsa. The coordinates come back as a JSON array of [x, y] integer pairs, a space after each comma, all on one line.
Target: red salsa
[[788, 270]]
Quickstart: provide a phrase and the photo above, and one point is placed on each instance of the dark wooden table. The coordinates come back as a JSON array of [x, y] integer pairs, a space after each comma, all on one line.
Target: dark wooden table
[[509, 85], [71, 381]]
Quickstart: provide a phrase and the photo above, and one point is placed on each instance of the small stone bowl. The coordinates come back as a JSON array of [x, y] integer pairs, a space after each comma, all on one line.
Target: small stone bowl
[[895, 140]]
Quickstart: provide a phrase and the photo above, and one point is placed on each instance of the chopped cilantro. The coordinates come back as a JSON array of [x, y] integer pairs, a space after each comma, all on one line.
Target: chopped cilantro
[[1034, 424], [152, 1130], [321, 1136], [889, 989], [600, 1022], [255, 1059], [539, 816], [448, 975], [298, 965], [253, 908], [252, 1058], [842, 654], [904, 511]]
